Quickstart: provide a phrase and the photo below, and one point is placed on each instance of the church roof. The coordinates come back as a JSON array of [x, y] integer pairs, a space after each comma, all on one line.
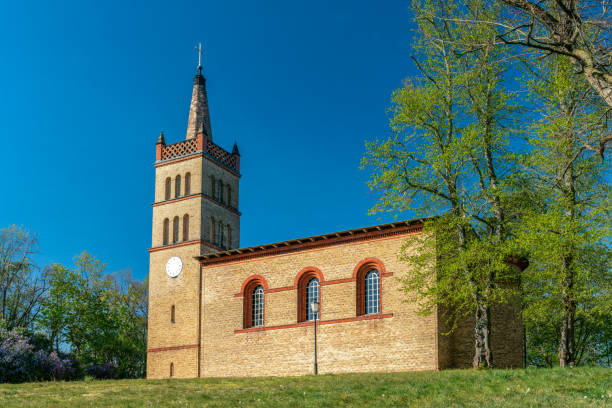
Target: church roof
[[334, 238]]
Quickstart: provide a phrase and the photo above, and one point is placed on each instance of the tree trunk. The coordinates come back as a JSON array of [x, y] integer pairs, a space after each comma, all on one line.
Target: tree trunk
[[566, 340], [483, 357]]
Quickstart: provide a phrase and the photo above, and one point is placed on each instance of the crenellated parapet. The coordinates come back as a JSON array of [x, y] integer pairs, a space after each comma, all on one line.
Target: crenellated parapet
[[197, 145]]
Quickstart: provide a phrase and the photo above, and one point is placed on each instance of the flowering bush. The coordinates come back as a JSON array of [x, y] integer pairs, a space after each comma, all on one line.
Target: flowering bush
[[20, 361]]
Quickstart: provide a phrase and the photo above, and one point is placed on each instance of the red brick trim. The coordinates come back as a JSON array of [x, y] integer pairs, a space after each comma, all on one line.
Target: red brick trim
[[248, 286], [187, 346], [174, 200], [305, 324], [198, 195], [363, 267], [369, 264], [364, 234], [301, 280], [196, 155], [184, 243], [311, 270], [321, 282], [248, 280], [227, 207]]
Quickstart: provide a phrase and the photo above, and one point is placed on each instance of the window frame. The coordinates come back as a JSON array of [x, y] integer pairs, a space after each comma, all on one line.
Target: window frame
[[301, 282], [359, 274], [248, 289]]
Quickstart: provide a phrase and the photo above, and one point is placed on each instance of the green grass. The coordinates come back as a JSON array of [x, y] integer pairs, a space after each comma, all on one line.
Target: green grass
[[577, 387]]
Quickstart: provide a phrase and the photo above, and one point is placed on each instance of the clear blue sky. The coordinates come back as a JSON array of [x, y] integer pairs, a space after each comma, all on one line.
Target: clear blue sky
[[87, 86]]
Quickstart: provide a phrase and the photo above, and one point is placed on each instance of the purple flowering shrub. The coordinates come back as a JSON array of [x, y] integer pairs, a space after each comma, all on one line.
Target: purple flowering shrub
[[20, 360]]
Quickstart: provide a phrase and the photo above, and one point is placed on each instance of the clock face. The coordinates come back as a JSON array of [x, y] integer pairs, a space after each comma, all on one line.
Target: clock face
[[174, 266]]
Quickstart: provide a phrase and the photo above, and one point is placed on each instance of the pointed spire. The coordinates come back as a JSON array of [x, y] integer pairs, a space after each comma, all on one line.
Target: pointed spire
[[235, 149], [199, 115], [160, 139], [201, 128]]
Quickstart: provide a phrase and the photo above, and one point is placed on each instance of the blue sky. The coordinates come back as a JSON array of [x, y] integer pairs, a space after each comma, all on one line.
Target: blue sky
[[87, 86]]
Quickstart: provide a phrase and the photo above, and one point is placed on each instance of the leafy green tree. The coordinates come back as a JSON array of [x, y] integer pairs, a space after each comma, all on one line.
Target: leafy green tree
[[100, 318], [567, 229], [445, 157]]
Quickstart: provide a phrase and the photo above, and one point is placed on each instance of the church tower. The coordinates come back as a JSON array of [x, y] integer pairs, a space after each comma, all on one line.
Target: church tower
[[195, 213]]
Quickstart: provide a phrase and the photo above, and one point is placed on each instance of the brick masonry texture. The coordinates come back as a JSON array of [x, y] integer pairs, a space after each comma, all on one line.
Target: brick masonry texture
[[400, 340]]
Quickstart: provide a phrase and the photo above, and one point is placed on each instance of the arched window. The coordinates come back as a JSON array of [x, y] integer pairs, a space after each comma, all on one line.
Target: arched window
[[229, 236], [177, 186], [186, 227], [166, 231], [308, 283], [212, 186], [171, 369], [368, 274], [220, 191], [312, 295], [187, 184], [168, 188], [372, 292], [212, 230], [253, 292], [220, 234], [172, 311], [175, 230], [257, 314], [229, 194]]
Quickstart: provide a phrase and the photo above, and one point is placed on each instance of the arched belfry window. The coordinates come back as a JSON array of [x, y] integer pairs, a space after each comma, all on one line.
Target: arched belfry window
[[177, 186], [168, 188], [372, 292], [220, 191], [187, 184], [253, 291], [175, 230], [166, 231], [308, 283], [186, 227], [212, 186], [220, 234], [228, 236], [228, 189], [368, 274], [213, 228]]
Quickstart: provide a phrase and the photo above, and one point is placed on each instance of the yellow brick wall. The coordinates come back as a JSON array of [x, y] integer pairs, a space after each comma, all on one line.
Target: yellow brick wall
[[403, 342]]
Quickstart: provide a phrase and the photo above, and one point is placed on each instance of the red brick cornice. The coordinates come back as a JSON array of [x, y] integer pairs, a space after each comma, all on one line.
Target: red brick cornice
[[184, 243], [305, 324], [338, 238], [187, 346], [198, 195]]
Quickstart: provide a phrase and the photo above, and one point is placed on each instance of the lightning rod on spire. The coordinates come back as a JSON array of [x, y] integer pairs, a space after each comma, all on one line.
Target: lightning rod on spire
[[200, 53]]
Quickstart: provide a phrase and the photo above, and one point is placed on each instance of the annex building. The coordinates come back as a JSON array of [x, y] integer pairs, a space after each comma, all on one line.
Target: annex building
[[217, 310]]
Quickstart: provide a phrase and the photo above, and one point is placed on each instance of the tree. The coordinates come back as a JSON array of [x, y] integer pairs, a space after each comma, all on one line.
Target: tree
[[567, 229], [579, 30], [22, 284], [100, 318], [444, 157]]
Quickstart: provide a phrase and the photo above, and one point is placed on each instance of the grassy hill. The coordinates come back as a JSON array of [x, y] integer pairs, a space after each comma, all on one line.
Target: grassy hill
[[578, 387]]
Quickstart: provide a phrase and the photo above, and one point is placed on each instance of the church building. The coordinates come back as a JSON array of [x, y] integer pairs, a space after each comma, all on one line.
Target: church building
[[218, 310]]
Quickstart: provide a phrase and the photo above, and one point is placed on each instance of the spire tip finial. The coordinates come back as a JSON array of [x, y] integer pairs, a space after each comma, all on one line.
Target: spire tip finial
[[200, 53]]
